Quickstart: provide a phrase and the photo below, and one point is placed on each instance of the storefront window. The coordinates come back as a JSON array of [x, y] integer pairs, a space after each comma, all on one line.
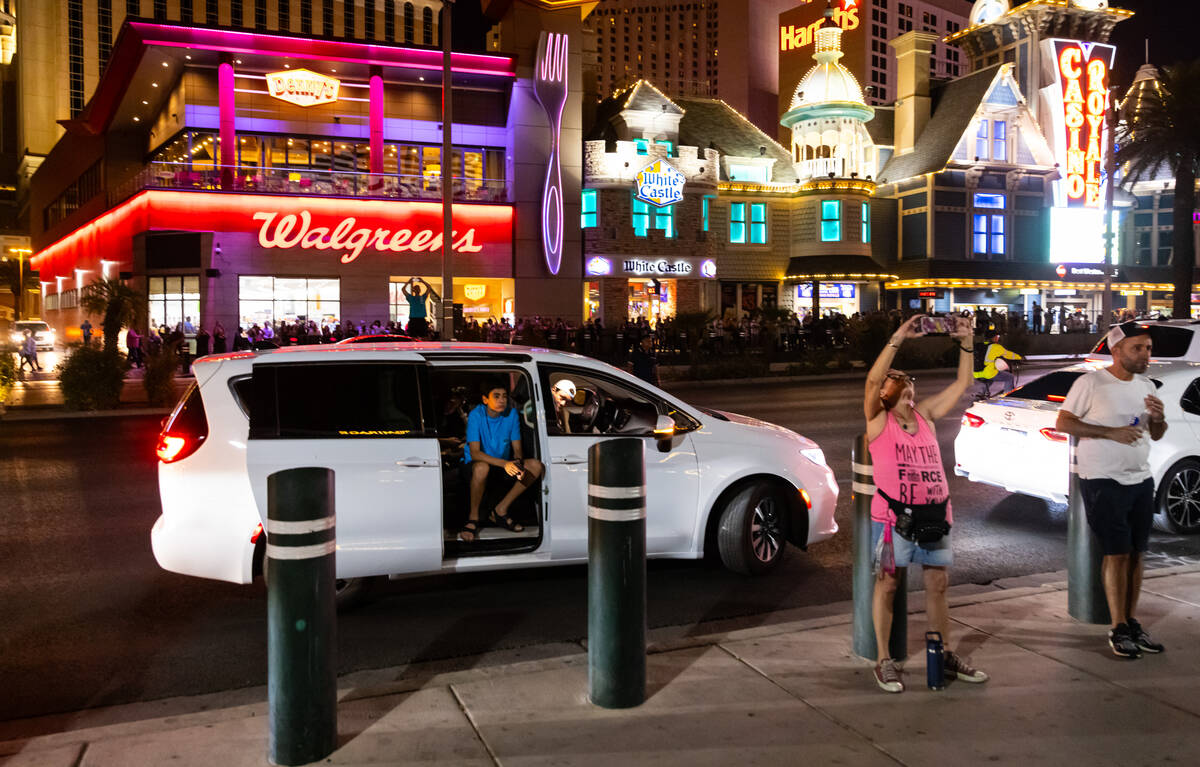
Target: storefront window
[[737, 222], [297, 152], [866, 222], [431, 166], [287, 299], [277, 152], [588, 218], [481, 299], [831, 220], [173, 299], [758, 223], [249, 151]]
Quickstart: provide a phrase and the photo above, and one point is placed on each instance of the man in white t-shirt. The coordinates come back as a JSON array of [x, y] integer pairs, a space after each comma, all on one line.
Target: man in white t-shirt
[[1111, 412]]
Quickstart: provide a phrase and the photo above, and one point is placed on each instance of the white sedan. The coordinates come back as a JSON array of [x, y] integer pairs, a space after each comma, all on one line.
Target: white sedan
[[1010, 441], [389, 420]]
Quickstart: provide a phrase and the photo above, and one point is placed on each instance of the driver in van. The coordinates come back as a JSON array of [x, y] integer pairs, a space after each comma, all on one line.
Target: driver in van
[[563, 394], [494, 447]]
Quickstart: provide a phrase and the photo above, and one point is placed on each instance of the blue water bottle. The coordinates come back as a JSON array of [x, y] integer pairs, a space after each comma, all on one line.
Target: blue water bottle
[[935, 661]]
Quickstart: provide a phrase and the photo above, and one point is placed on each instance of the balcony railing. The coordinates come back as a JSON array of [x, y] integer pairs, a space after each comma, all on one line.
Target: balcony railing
[[325, 183]]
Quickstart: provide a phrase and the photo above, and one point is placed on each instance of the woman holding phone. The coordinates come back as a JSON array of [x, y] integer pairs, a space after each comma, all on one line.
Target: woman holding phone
[[910, 513]]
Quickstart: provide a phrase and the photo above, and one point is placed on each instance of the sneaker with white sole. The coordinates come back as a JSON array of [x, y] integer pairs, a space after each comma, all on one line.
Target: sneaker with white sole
[[1121, 641], [887, 676], [955, 665], [1142, 639]]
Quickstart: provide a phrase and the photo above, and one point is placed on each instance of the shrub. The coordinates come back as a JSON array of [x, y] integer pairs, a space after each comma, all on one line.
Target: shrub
[[92, 379], [8, 372], [159, 378]]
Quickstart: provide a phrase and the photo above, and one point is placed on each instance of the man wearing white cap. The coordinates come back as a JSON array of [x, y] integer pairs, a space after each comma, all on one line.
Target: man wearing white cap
[[1111, 411], [563, 392]]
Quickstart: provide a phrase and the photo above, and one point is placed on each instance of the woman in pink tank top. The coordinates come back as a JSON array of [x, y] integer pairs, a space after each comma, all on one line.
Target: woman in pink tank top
[[908, 470]]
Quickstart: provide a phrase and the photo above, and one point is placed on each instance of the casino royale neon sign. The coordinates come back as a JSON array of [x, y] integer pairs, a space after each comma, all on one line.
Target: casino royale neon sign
[[1083, 72], [296, 230]]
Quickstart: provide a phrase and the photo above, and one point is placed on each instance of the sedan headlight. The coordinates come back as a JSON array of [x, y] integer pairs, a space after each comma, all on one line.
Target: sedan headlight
[[814, 454], [16, 338]]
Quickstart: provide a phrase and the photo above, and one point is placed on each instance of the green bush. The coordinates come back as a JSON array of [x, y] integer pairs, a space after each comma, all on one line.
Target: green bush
[[8, 372], [159, 378], [92, 379]]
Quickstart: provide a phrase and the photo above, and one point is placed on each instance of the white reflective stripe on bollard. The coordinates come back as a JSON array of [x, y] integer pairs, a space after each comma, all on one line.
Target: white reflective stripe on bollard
[[600, 491], [863, 488], [616, 515], [301, 552], [862, 468], [298, 528]]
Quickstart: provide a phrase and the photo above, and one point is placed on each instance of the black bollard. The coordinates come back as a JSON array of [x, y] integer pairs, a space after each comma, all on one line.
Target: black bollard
[[617, 573], [863, 490], [1086, 601], [301, 616]]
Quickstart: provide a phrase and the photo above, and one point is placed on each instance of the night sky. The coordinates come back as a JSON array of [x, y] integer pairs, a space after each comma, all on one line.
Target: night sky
[[1170, 26]]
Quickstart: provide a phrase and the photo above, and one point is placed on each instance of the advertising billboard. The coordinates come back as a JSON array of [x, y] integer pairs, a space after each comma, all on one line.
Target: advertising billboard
[[795, 45]]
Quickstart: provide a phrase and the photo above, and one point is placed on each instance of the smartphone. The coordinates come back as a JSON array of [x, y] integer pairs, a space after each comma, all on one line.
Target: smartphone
[[935, 325]]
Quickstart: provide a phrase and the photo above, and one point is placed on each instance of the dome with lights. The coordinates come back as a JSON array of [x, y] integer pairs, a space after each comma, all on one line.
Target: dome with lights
[[987, 11], [828, 81]]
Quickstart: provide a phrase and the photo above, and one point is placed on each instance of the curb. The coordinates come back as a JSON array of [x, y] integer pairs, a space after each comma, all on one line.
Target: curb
[[155, 717]]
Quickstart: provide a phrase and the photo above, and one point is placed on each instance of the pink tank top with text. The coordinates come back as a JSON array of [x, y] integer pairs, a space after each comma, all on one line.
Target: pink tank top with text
[[908, 467]]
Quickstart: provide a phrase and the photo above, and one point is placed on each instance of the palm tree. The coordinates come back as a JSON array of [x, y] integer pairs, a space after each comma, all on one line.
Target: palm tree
[[117, 303], [1161, 135]]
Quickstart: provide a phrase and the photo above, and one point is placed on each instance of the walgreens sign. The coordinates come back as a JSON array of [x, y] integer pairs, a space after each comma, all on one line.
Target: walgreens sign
[[350, 231]]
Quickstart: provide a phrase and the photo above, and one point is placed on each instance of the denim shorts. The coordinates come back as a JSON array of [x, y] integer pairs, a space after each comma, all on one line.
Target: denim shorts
[[936, 554]]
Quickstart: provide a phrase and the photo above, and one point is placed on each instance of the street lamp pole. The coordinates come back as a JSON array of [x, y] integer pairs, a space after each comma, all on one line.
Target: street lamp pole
[[447, 321], [1106, 302]]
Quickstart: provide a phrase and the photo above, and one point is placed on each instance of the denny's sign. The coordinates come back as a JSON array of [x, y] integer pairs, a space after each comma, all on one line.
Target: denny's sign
[[302, 87]]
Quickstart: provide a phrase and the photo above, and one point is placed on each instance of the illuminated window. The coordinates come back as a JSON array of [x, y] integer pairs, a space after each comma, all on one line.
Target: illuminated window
[[866, 222], [989, 201], [991, 135], [758, 223], [737, 222], [988, 234], [831, 220], [704, 202], [641, 217], [668, 144], [643, 146], [589, 209], [756, 174], [664, 219]]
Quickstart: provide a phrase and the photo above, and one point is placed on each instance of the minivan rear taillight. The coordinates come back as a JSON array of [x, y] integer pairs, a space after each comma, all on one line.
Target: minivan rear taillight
[[185, 429], [972, 420]]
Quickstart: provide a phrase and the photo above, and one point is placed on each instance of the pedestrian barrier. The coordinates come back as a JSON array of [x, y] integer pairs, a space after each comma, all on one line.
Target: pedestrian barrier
[[862, 491], [1085, 583], [617, 573], [301, 616]]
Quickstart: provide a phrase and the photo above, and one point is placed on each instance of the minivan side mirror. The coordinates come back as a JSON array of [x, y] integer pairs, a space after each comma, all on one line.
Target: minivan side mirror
[[664, 432]]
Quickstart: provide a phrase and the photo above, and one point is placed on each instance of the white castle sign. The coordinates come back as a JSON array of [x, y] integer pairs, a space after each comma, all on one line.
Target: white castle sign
[[659, 184]]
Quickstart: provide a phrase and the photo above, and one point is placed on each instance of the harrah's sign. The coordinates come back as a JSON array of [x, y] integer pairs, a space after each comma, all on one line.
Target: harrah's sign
[[296, 230], [845, 15], [1083, 73]]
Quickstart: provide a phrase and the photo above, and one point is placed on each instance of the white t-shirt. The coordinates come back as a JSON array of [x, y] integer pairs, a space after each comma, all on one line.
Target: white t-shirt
[[1102, 399]]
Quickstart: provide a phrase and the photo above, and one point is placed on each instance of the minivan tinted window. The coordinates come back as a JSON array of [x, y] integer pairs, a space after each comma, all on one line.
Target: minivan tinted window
[[1166, 340], [336, 401]]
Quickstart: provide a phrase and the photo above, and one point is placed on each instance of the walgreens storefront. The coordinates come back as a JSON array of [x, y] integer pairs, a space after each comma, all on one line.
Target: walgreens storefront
[[249, 259]]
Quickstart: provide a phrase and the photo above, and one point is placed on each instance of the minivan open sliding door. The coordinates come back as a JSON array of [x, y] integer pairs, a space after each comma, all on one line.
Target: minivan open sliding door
[[369, 420]]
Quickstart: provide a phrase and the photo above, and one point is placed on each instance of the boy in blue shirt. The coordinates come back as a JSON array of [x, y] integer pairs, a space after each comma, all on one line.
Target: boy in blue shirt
[[494, 446]]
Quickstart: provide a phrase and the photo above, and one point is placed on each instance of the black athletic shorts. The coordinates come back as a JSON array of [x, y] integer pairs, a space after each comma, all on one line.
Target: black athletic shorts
[[1120, 515]]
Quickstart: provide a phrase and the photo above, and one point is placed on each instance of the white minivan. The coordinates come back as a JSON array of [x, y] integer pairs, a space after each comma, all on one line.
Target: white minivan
[[389, 419]]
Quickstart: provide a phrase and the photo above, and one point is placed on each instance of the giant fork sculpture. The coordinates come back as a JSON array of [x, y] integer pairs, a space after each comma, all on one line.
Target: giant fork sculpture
[[550, 87]]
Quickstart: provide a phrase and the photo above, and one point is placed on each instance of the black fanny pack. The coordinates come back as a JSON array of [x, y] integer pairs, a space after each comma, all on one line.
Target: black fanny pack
[[919, 522]]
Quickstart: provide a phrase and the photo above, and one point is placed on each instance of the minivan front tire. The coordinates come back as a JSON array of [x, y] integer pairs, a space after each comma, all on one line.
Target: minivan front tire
[[752, 535]]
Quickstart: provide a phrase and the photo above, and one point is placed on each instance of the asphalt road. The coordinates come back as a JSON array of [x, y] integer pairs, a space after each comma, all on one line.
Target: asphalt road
[[88, 619]]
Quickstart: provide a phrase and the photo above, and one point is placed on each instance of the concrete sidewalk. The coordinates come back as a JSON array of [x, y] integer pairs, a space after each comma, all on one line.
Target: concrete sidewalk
[[786, 693]]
